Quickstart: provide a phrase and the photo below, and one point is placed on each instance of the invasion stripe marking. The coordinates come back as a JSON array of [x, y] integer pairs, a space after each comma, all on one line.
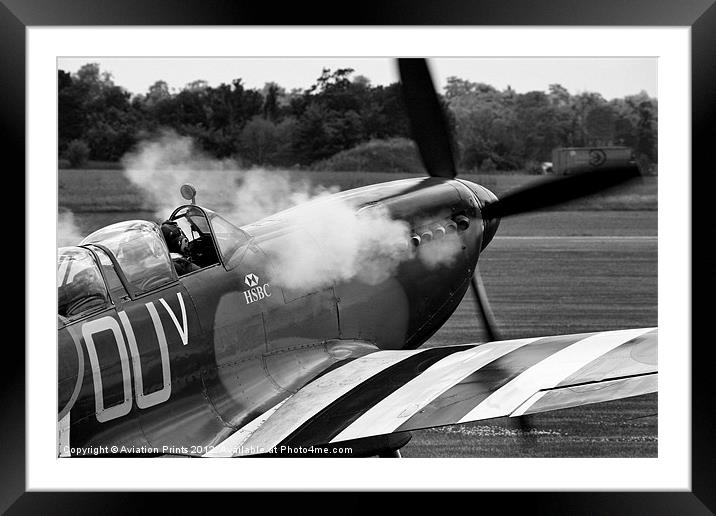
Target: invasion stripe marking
[[233, 445], [549, 372], [565, 397], [636, 356], [453, 404], [394, 410], [315, 396], [336, 417]]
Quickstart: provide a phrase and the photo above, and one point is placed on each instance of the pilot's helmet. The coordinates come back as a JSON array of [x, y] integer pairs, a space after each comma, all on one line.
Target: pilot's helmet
[[175, 237]]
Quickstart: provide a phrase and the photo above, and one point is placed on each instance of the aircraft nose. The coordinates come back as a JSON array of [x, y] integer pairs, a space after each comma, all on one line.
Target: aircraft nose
[[485, 197]]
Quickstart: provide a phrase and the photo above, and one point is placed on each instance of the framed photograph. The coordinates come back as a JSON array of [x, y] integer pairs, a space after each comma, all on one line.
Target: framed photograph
[[205, 123]]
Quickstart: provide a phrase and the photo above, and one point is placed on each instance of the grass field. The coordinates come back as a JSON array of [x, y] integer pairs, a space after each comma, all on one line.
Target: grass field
[[562, 278], [110, 190], [552, 286]]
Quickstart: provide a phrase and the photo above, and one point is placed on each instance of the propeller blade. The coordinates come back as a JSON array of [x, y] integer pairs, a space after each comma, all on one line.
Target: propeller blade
[[483, 306], [560, 189], [522, 423], [427, 121]]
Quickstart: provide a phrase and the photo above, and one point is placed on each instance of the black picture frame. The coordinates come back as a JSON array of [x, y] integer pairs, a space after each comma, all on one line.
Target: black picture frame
[[700, 15]]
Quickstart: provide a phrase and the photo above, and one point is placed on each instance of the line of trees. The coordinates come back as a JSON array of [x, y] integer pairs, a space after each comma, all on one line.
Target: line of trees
[[494, 130]]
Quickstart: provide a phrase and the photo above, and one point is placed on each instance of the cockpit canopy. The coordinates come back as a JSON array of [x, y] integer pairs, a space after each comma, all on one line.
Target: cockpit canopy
[[140, 251], [128, 259], [80, 287], [204, 228]]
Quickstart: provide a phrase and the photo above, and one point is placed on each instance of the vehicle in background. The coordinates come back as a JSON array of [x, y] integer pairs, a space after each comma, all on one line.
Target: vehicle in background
[[566, 160]]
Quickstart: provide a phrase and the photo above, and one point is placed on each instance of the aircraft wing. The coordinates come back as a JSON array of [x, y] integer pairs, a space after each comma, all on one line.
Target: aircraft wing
[[395, 391]]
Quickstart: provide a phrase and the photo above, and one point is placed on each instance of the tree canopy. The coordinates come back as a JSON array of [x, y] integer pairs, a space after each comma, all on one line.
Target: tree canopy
[[493, 129]]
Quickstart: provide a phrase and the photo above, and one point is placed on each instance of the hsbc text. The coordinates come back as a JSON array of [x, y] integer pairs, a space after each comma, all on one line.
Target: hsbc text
[[257, 293]]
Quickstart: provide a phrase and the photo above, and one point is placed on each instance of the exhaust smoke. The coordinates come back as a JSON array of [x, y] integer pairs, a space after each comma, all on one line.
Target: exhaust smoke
[[68, 233], [332, 241]]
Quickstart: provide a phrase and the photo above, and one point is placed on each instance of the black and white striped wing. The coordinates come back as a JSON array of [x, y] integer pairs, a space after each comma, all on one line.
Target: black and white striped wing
[[395, 391]]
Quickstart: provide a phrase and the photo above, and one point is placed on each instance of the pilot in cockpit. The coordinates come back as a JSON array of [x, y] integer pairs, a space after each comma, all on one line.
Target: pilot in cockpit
[[178, 245]]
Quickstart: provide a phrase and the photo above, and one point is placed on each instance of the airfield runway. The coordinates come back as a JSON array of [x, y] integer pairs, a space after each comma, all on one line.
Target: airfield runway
[[557, 273]]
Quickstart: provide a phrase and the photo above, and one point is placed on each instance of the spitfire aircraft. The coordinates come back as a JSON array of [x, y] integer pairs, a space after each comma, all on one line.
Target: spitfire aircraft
[[219, 361]]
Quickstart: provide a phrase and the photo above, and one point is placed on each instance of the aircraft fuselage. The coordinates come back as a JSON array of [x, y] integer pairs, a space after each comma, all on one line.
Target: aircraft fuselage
[[183, 366]]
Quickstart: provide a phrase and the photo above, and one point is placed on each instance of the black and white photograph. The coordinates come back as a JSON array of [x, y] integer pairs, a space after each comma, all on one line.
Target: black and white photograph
[[357, 257], [268, 257]]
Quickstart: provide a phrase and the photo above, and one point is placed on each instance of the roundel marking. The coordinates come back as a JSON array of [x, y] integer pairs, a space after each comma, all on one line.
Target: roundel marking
[[597, 157]]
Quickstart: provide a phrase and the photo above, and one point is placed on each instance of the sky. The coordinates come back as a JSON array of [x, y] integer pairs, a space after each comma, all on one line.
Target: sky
[[611, 77]]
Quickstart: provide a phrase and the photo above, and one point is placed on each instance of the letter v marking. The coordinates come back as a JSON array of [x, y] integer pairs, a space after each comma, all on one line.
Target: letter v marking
[[183, 331]]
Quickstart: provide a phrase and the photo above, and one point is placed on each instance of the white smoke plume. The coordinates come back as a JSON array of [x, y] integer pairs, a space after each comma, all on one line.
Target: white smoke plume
[[334, 243], [440, 252], [260, 193], [68, 233], [160, 166]]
